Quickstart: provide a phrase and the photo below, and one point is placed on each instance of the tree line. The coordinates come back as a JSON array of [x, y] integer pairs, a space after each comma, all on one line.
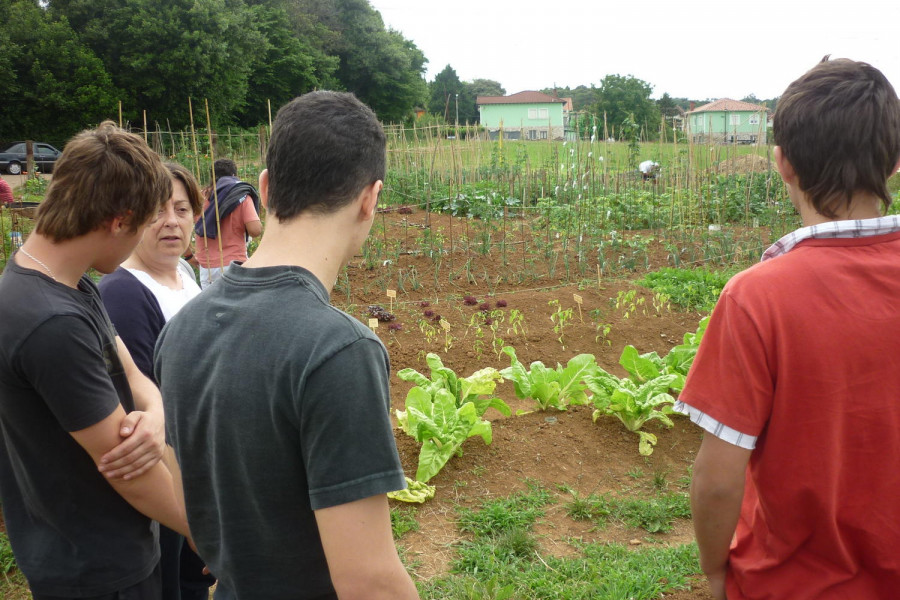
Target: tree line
[[68, 63]]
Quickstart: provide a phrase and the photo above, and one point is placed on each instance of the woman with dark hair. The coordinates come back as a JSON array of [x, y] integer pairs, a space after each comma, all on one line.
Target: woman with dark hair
[[140, 296]]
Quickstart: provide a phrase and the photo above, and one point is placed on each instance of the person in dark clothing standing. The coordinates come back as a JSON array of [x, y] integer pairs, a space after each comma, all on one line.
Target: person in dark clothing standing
[[78, 501]]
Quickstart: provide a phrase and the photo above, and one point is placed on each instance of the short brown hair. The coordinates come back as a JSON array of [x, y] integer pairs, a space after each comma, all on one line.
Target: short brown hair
[[190, 185], [839, 127], [103, 173], [326, 147]]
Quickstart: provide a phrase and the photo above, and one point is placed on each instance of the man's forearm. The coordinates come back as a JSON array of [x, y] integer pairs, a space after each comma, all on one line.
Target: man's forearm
[[153, 495], [717, 491], [715, 513]]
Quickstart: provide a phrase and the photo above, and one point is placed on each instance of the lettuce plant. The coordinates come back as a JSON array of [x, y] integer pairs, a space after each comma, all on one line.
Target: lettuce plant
[[444, 411], [645, 367], [551, 388], [633, 404]]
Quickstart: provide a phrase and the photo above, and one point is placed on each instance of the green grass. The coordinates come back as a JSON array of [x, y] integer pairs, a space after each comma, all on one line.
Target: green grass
[[696, 289], [655, 513], [516, 512], [403, 520], [599, 571]]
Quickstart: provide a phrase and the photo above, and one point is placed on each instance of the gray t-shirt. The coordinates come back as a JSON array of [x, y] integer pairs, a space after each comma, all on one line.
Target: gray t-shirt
[[277, 404], [60, 372]]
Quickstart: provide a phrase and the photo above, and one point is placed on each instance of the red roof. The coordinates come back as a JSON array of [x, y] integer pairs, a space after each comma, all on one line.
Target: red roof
[[729, 105], [527, 97]]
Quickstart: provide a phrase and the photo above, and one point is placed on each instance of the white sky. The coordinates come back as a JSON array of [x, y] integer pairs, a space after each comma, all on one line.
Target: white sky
[[699, 49]]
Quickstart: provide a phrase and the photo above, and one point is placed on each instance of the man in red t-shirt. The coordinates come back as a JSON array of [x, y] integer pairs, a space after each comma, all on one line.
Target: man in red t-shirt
[[797, 379], [238, 217]]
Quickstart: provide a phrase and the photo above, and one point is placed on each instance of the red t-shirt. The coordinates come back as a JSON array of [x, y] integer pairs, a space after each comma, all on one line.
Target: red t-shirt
[[234, 245], [804, 352]]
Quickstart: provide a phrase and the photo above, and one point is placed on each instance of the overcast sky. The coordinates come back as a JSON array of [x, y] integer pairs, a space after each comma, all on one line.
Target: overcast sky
[[697, 49]]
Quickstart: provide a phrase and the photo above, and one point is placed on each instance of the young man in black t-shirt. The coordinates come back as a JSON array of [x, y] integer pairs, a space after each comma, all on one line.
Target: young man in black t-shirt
[[82, 428], [285, 440]]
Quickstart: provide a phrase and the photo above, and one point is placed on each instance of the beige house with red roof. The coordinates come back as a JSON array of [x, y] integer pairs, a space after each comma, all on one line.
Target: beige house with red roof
[[727, 121], [527, 115]]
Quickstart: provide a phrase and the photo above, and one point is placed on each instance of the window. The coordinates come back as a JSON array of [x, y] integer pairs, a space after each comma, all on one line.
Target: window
[[532, 113], [735, 119], [544, 113], [754, 119], [543, 134], [532, 134]]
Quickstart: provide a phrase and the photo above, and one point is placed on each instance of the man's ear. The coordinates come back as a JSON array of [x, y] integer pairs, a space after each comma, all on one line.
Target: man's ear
[[784, 167], [264, 188], [897, 168], [370, 199], [117, 225]]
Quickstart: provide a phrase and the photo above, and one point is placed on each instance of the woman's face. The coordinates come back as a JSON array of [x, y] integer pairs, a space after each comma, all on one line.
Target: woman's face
[[170, 234]]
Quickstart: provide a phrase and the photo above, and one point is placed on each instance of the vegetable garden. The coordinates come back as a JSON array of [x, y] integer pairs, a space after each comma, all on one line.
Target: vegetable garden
[[541, 305]]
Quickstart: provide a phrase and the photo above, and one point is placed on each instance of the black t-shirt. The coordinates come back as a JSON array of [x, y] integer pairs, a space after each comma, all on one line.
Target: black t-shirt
[[277, 405], [60, 372]]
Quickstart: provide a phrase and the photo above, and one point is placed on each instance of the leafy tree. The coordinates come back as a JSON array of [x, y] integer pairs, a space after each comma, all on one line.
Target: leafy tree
[[667, 106], [53, 86], [285, 67], [442, 92], [383, 69], [583, 97], [486, 87], [161, 53], [621, 98], [450, 97]]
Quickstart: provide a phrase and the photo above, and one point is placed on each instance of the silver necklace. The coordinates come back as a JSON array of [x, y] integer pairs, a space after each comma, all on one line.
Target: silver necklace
[[46, 268]]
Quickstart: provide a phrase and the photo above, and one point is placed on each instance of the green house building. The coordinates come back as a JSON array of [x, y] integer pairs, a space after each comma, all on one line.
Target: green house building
[[727, 121], [527, 115]]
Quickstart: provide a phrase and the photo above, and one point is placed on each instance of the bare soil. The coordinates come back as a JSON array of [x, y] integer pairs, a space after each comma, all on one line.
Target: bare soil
[[551, 448]]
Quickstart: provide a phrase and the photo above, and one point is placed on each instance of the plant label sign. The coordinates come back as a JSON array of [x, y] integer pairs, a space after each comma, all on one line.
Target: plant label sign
[[579, 301], [392, 294], [445, 325], [373, 324]]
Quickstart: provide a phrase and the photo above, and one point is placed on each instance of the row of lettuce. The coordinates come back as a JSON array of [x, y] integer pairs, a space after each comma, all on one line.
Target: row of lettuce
[[444, 410]]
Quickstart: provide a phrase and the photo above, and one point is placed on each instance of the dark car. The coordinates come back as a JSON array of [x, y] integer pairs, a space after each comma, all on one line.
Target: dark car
[[12, 160]]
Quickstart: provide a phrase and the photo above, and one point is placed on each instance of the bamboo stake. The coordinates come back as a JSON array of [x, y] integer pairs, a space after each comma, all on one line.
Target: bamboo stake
[[212, 160]]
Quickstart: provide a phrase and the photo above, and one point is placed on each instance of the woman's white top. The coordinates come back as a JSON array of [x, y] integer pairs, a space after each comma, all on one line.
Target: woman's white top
[[170, 301]]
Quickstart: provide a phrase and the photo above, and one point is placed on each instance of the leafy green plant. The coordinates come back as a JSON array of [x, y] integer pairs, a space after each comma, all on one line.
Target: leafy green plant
[[444, 411], [602, 336], [551, 388], [696, 289], [627, 302], [633, 404], [416, 492], [516, 323], [644, 367], [560, 319]]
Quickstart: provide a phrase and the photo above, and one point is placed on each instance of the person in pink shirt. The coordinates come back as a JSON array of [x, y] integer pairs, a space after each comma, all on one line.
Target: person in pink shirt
[[230, 218], [6, 196]]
